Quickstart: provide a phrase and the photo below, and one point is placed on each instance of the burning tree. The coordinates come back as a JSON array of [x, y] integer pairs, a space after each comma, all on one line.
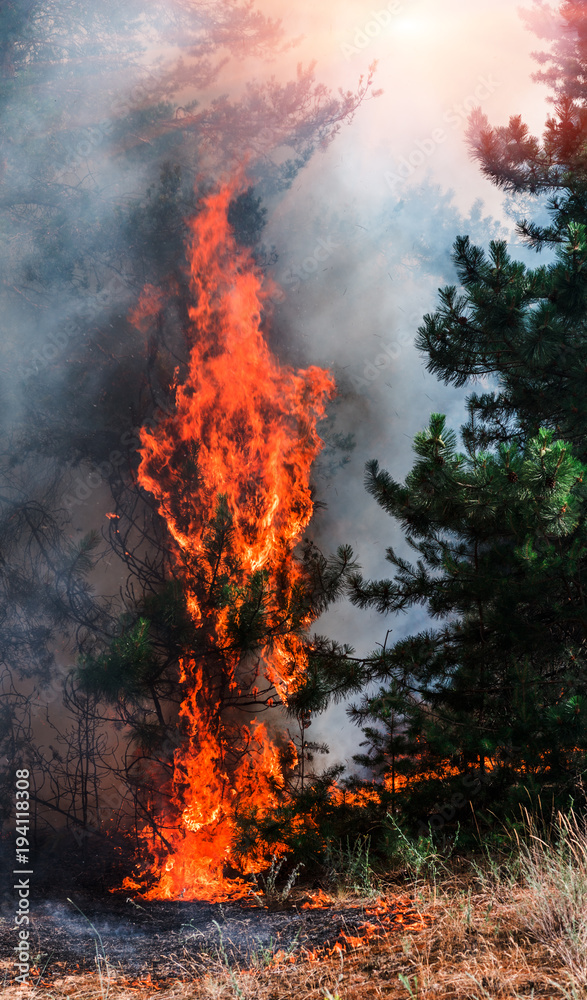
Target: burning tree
[[229, 469], [100, 212]]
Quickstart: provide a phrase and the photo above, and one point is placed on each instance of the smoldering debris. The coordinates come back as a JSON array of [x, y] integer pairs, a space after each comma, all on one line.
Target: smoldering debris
[[136, 937]]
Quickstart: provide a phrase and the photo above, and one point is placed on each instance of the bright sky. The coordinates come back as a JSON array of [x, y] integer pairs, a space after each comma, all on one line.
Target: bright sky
[[436, 59], [433, 56]]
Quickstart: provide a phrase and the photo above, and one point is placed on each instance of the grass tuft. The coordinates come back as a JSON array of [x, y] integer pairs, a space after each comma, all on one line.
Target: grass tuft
[[554, 870]]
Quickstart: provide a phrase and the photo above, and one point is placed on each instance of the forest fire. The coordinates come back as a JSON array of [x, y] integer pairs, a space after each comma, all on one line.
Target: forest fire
[[230, 473], [169, 630]]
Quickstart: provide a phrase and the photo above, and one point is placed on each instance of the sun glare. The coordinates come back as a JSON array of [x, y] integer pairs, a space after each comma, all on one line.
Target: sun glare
[[410, 26]]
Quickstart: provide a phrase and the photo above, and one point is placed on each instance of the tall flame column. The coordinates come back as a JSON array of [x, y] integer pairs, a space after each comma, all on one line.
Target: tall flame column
[[251, 423]]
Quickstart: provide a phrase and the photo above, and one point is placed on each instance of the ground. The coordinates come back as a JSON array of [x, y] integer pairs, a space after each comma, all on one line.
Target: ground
[[423, 941]]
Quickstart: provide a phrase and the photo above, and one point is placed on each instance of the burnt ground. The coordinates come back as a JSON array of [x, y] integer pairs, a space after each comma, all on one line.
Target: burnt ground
[[139, 937]]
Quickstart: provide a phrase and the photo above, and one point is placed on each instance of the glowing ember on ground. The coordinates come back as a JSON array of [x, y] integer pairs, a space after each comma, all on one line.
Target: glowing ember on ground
[[245, 426], [318, 899], [383, 915]]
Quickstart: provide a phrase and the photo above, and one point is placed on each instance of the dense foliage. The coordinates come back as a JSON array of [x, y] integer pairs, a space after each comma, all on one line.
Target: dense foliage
[[489, 706]]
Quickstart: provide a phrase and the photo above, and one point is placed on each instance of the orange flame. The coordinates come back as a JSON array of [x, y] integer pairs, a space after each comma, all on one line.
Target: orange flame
[[239, 447]]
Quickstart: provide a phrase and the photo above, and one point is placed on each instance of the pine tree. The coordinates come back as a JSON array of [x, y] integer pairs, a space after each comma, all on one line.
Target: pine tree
[[499, 688], [500, 536]]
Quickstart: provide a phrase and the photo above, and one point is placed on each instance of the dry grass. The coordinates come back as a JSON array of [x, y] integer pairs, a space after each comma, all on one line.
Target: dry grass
[[475, 947], [555, 872], [509, 934]]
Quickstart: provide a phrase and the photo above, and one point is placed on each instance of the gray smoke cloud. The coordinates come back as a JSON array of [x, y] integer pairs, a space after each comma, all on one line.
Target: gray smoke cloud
[[363, 235], [365, 239]]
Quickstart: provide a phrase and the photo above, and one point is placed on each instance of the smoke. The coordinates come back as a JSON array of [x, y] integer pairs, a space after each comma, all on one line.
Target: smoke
[[113, 113], [358, 315], [364, 241]]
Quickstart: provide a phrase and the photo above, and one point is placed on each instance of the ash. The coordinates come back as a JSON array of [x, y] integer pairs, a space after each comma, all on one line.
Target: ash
[[163, 938]]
